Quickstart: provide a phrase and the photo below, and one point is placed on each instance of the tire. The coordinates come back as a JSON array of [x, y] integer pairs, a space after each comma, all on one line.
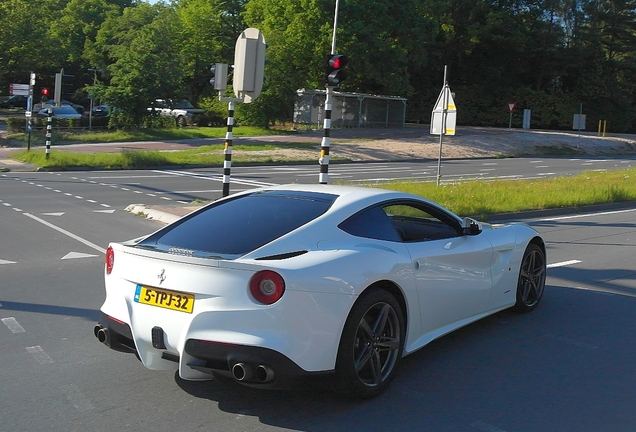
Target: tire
[[182, 121], [531, 282], [371, 345]]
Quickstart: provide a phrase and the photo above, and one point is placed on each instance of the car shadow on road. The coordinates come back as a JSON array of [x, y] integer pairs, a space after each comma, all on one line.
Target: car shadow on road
[[88, 314], [565, 366]]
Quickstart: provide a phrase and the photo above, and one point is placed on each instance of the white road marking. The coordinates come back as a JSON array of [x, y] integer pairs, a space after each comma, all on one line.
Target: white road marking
[[216, 177], [75, 255], [104, 211], [486, 427], [563, 263], [39, 354], [585, 215], [53, 214], [17, 209], [104, 205], [63, 231], [76, 397], [13, 325], [571, 341], [6, 262]]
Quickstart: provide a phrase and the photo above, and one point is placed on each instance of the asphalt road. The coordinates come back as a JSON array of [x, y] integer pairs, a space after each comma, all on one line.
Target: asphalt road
[[568, 366], [176, 186]]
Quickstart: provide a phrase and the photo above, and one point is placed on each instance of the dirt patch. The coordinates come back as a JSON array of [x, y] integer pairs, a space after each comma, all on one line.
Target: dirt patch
[[468, 143]]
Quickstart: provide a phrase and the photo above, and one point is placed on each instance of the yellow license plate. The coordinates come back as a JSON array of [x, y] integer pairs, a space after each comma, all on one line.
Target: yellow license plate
[[167, 299]]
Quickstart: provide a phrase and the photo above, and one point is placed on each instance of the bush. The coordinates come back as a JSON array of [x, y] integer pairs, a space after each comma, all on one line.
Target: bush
[[15, 124]]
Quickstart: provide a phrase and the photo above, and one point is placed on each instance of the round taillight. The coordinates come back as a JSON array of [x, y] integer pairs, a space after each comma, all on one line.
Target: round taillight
[[267, 286], [110, 259]]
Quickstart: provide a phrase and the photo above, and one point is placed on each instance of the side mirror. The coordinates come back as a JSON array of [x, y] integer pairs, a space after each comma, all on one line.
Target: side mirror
[[471, 227]]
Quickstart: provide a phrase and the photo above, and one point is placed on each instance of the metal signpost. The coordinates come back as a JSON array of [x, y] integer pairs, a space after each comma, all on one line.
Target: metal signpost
[[28, 112], [511, 108], [443, 119]]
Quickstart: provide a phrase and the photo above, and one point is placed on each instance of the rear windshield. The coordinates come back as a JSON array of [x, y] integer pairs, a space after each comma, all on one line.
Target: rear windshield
[[240, 225]]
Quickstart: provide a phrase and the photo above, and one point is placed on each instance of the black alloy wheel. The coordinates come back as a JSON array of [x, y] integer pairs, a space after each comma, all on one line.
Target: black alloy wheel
[[371, 345], [531, 279]]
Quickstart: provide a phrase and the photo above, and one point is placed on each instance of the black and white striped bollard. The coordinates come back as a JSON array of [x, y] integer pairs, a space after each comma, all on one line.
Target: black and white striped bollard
[[227, 163], [49, 127], [326, 141]]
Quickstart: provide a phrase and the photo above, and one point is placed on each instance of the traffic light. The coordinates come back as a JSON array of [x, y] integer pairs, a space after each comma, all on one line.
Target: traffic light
[[219, 76], [64, 87], [68, 88], [335, 73], [45, 92]]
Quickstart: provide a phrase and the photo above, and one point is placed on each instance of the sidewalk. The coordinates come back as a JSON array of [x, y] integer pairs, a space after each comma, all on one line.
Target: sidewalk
[[14, 165]]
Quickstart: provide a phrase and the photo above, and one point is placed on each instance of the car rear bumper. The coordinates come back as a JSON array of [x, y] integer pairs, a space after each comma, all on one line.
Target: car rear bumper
[[248, 365]]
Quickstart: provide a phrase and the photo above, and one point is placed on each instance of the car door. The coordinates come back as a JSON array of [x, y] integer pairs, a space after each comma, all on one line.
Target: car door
[[452, 270]]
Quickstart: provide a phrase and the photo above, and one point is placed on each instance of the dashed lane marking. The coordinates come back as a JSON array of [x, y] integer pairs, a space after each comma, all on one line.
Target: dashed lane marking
[[13, 325], [563, 263], [76, 397], [486, 427], [571, 341], [39, 354]]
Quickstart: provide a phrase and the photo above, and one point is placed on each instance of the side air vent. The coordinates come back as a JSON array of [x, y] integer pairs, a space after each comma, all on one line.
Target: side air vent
[[282, 256]]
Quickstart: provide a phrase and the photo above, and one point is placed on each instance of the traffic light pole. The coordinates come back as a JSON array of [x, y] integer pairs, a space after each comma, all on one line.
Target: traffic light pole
[[325, 145]]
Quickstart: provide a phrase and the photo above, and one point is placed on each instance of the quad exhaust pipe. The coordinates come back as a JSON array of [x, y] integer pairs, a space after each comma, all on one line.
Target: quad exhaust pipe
[[102, 334], [244, 372]]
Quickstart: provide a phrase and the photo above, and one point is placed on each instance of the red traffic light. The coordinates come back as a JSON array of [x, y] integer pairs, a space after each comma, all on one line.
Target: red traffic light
[[45, 91], [334, 73]]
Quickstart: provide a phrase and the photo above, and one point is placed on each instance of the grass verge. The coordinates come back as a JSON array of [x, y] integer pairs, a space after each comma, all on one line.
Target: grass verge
[[211, 155], [80, 136], [481, 198]]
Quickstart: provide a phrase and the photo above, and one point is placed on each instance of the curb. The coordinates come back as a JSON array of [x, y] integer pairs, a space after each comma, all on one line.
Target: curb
[[158, 215]]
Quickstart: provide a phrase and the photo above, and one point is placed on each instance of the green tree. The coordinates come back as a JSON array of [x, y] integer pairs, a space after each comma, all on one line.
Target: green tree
[[207, 31], [24, 47], [142, 59]]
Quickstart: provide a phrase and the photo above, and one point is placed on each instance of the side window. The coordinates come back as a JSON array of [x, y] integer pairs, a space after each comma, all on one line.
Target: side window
[[371, 223], [416, 224]]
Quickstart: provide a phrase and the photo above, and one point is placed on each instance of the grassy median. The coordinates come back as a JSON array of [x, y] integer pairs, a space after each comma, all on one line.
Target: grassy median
[[210, 155], [481, 198]]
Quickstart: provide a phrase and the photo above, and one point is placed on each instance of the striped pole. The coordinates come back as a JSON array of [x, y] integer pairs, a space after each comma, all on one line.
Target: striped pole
[[227, 163], [326, 141], [49, 122]]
